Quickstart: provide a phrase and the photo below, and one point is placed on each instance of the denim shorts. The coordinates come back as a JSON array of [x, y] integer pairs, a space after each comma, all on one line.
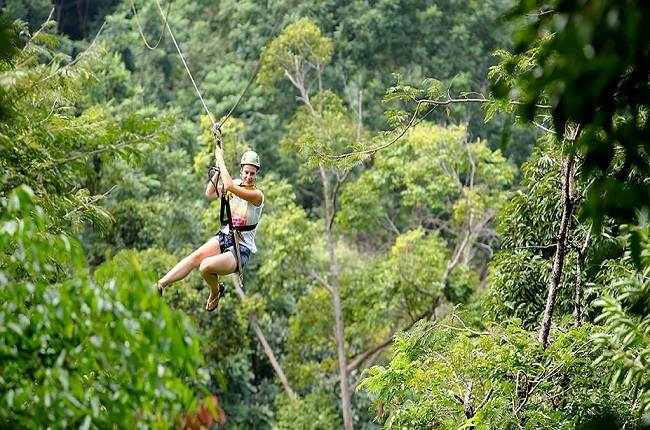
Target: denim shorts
[[227, 243]]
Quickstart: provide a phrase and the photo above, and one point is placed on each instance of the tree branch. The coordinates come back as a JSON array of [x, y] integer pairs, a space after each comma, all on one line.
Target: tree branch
[[321, 281], [77, 58], [93, 152], [377, 348], [93, 201], [335, 190], [412, 122], [386, 342], [486, 399], [265, 344]]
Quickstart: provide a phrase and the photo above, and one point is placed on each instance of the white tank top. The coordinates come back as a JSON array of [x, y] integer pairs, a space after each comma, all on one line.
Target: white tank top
[[245, 213]]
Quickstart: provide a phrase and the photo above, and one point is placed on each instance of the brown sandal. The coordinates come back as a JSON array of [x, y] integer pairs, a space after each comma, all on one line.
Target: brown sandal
[[214, 302]]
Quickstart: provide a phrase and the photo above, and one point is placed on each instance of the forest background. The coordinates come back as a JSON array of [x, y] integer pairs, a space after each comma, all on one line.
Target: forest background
[[454, 234]]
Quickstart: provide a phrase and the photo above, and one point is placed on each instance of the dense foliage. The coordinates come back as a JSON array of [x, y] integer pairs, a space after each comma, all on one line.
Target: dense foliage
[[446, 374], [588, 61], [85, 352], [79, 349]]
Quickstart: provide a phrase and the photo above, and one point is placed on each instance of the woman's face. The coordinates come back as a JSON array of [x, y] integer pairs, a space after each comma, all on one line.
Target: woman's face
[[248, 174]]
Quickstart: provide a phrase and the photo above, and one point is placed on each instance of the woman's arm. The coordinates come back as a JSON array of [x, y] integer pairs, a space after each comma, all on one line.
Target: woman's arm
[[252, 196], [210, 191], [221, 165]]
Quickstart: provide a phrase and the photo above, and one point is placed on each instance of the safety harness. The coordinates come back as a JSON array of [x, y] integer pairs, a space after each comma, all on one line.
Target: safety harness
[[225, 215], [235, 231]]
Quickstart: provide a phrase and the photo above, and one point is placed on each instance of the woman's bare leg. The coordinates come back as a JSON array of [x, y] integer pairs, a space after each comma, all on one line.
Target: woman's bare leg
[[210, 249], [213, 267]]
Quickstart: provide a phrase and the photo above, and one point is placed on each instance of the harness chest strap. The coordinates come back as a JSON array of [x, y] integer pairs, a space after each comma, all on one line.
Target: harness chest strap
[[245, 227], [226, 218], [225, 215]]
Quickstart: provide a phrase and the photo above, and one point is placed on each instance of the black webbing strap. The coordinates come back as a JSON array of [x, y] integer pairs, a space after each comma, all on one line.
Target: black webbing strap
[[225, 217], [211, 172], [241, 269], [225, 210]]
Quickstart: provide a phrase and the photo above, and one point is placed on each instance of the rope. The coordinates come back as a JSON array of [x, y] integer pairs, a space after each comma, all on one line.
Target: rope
[[187, 69], [216, 126], [259, 63], [162, 32]]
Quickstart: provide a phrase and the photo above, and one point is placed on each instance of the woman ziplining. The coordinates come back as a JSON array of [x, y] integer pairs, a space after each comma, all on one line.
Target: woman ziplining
[[211, 258], [230, 248], [243, 201]]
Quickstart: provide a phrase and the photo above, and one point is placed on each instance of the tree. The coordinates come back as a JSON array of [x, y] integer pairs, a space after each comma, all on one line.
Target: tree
[[34, 14], [572, 89], [299, 53], [434, 178], [426, 225], [534, 215], [625, 315], [447, 374], [452, 40], [49, 139], [588, 64], [545, 246], [82, 352], [546, 80]]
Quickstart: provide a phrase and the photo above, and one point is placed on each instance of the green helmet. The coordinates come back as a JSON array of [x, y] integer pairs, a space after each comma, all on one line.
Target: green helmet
[[250, 157]]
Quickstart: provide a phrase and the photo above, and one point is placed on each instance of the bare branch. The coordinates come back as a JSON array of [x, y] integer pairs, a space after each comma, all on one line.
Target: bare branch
[[92, 201], [77, 58], [375, 349], [335, 190], [410, 124], [49, 18], [91, 153], [467, 406], [265, 344], [391, 225], [522, 402], [543, 128], [388, 341], [321, 281], [486, 399]]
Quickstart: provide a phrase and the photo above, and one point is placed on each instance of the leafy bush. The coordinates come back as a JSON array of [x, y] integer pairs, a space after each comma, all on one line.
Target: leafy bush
[[447, 375], [77, 353]]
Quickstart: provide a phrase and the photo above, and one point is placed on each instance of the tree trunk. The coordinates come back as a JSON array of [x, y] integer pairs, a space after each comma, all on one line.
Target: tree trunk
[[339, 336], [562, 243], [339, 329]]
